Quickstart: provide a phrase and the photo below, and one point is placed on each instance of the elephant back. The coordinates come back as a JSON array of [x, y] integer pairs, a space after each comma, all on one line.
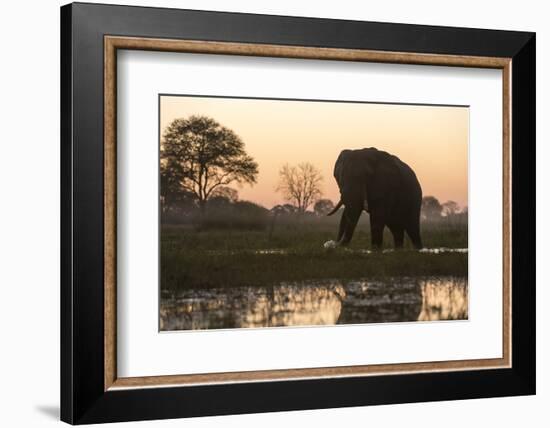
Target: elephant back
[[394, 184]]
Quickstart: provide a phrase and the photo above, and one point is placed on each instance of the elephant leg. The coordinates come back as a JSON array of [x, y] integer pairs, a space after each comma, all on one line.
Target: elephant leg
[[398, 236], [413, 230], [376, 230], [351, 217]]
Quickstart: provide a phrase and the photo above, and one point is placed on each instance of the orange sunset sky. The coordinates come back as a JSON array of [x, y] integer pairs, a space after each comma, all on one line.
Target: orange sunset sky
[[432, 140]]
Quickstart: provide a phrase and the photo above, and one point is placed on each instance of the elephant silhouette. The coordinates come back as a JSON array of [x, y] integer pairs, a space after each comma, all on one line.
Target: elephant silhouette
[[384, 186]]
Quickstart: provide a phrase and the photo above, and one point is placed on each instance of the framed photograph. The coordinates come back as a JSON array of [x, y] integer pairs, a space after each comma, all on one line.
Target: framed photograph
[[265, 213]]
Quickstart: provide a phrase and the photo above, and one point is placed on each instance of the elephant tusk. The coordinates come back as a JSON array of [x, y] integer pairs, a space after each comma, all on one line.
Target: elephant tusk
[[336, 208]]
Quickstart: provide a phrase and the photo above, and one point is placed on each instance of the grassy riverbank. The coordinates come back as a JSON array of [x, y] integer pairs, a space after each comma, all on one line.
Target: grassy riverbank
[[194, 258]]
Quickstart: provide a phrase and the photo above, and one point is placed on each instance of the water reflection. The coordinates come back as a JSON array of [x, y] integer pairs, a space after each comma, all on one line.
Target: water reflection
[[314, 303]]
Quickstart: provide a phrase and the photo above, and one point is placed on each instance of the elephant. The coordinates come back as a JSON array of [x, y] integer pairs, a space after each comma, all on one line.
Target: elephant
[[384, 186]]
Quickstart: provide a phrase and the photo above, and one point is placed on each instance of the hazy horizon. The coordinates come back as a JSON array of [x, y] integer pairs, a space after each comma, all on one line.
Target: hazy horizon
[[432, 140]]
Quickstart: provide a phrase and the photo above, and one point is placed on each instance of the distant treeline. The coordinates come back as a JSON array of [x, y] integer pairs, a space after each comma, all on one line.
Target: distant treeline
[[226, 211]]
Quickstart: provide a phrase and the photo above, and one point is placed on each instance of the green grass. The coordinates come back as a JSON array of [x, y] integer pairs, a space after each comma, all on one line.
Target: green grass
[[228, 258], [307, 235]]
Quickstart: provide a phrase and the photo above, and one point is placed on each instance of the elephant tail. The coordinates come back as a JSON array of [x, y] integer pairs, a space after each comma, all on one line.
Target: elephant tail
[[336, 208]]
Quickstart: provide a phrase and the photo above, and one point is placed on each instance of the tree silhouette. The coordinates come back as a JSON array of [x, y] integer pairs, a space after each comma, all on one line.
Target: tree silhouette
[[172, 196], [199, 156], [225, 192], [323, 206], [431, 208], [300, 184], [286, 209], [450, 208]]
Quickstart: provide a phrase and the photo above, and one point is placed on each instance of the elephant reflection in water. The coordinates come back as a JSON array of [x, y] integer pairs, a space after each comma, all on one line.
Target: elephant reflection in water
[[319, 303], [430, 299], [377, 301], [387, 188]]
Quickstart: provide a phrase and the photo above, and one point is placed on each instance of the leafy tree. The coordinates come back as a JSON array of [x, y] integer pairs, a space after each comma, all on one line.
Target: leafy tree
[[450, 208], [431, 208], [300, 184], [323, 206], [286, 209], [172, 196], [200, 156], [227, 193]]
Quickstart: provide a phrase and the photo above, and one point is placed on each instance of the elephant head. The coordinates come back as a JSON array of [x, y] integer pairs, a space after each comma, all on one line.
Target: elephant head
[[353, 170]]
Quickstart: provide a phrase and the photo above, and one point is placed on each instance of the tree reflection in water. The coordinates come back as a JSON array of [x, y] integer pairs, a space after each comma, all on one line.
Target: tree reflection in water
[[315, 303]]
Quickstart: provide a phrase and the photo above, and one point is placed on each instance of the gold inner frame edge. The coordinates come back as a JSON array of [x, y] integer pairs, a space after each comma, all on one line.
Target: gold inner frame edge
[[113, 43]]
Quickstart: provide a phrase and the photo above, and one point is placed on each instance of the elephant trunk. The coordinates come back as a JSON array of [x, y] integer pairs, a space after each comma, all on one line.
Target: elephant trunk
[[336, 208], [348, 222]]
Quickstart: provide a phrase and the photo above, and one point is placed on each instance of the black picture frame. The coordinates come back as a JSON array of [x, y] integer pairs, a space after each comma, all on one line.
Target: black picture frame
[[83, 398]]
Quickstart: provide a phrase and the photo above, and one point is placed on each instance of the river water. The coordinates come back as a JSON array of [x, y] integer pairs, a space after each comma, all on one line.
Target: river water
[[311, 303]]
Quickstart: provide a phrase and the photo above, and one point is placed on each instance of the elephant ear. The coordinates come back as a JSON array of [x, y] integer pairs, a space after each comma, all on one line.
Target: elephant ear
[[343, 157], [368, 161]]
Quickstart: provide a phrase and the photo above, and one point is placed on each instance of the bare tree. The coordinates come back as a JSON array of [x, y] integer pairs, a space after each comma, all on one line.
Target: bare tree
[[300, 184], [200, 156]]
